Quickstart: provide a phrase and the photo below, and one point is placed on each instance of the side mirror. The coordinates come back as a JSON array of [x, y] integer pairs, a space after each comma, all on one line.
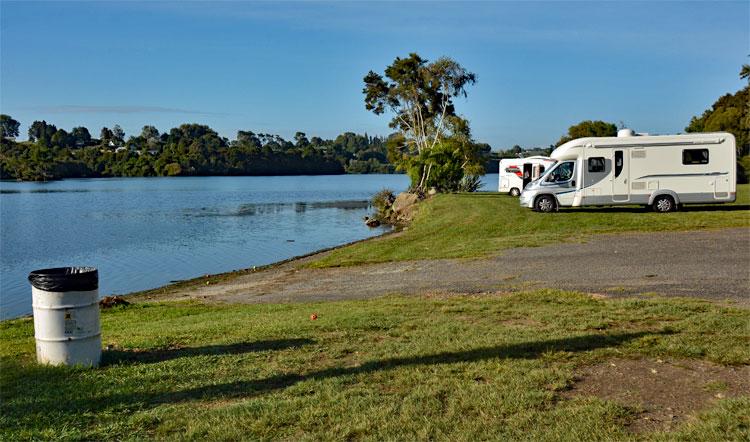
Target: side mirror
[[573, 183]]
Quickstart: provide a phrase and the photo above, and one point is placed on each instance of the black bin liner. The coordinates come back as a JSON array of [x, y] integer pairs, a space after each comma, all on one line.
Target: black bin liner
[[65, 279]]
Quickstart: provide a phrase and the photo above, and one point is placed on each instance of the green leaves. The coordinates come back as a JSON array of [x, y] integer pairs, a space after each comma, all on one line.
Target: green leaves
[[420, 96]]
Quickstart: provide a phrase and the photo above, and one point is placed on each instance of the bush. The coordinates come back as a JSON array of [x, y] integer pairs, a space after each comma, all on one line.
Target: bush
[[470, 183], [383, 203]]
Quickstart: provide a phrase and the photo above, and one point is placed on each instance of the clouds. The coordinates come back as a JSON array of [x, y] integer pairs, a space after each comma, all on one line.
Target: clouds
[[115, 109]]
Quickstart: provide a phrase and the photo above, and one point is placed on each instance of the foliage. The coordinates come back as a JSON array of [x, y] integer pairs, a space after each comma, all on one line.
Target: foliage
[[190, 149], [743, 169], [420, 96], [395, 368], [588, 128], [468, 226], [730, 113], [470, 183], [383, 204], [8, 126]]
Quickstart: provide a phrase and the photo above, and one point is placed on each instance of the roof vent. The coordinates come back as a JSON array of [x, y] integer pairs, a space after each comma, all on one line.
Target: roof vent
[[625, 133]]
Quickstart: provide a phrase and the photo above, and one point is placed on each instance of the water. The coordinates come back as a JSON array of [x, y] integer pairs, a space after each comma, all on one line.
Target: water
[[145, 232]]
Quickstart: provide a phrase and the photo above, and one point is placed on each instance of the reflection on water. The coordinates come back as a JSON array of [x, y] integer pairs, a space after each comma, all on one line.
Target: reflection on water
[[144, 232], [253, 209]]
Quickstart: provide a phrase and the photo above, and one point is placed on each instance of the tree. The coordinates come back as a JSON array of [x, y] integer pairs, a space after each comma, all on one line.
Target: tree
[[589, 128], [150, 132], [420, 96], [745, 72], [118, 135], [80, 136], [8, 127], [105, 135], [60, 139], [300, 139], [730, 113], [41, 132]]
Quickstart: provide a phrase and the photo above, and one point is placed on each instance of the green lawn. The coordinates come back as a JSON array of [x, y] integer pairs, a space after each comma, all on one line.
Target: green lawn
[[458, 368], [473, 225]]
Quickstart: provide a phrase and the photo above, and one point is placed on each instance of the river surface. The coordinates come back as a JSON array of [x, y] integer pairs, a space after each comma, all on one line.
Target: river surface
[[146, 232]]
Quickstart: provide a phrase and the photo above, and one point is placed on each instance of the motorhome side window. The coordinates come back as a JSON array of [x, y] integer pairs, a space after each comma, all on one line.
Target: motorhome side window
[[561, 173], [596, 164], [695, 156]]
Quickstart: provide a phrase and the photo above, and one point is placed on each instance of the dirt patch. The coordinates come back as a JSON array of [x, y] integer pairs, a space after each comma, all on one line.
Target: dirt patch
[[664, 392]]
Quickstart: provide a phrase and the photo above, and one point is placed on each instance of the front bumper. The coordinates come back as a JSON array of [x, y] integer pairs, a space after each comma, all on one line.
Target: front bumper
[[526, 199]]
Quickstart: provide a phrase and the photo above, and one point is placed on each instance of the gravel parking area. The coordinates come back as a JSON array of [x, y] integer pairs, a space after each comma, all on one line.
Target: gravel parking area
[[710, 264]]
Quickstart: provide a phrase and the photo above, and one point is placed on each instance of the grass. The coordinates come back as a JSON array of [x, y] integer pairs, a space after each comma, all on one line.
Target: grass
[[458, 368], [475, 225]]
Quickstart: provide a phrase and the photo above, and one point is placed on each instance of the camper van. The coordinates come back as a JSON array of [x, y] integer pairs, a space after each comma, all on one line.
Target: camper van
[[661, 172], [516, 173]]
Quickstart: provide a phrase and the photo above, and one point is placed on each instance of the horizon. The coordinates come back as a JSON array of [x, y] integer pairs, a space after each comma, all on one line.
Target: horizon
[[287, 67]]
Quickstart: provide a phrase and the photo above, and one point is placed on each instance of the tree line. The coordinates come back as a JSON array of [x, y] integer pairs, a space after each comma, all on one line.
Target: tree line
[[190, 149]]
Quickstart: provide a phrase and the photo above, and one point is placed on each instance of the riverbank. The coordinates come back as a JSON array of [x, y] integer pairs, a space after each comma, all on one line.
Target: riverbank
[[485, 232], [298, 350]]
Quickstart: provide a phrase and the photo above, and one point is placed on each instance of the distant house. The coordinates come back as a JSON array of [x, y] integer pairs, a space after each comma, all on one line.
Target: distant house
[[121, 149]]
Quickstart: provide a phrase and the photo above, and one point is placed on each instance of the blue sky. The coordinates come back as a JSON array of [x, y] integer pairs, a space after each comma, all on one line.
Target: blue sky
[[286, 66]]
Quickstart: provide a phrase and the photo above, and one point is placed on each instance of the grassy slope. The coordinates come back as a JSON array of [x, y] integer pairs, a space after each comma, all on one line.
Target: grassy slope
[[471, 225], [460, 368]]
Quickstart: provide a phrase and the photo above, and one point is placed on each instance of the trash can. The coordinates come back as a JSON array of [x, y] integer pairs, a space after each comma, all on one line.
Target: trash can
[[66, 315]]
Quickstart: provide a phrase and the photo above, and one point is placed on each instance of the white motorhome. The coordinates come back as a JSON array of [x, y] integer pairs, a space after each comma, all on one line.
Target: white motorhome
[[661, 172], [516, 173]]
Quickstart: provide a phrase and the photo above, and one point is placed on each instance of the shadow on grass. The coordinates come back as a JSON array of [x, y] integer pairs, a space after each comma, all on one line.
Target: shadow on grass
[[115, 357], [110, 393], [642, 209]]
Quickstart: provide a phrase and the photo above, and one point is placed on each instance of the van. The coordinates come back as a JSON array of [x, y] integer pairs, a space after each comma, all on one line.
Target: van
[[516, 173], [661, 172]]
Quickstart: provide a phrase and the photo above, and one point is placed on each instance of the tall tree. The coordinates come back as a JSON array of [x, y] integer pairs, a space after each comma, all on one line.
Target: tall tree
[[80, 136], [105, 135], [8, 127], [588, 128], [41, 132], [745, 72], [730, 113], [118, 135], [60, 139], [149, 132], [420, 96]]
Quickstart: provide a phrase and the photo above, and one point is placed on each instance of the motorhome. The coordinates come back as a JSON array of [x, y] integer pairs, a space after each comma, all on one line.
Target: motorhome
[[516, 173], [661, 172]]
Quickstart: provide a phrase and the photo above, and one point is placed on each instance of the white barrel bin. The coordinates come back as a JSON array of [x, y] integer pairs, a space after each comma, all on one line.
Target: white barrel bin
[[66, 315]]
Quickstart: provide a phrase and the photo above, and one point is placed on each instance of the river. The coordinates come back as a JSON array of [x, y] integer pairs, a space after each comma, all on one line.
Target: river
[[145, 232]]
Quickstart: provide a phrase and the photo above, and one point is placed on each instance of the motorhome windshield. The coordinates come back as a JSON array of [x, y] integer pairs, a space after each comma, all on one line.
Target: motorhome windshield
[[550, 168]]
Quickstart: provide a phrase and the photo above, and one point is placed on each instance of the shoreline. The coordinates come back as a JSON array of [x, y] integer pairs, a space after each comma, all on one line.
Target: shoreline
[[228, 276]]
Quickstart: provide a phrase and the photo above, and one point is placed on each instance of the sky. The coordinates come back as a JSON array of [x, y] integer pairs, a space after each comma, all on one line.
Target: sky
[[283, 67]]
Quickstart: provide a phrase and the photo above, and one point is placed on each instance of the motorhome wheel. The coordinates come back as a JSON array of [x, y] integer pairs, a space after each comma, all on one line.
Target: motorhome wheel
[[514, 192], [545, 203], [664, 203]]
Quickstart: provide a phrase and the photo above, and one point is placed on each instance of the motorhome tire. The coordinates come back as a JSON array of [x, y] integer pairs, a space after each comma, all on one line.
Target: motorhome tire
[[545, 203], [664, 204], [514, 192]]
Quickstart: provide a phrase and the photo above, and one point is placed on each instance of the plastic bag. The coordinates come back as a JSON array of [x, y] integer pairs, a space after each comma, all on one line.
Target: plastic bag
[[65, 279]]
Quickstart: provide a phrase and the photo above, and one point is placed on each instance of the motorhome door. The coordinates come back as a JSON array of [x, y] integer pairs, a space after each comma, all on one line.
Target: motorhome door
[[620, 185], [527, 167]]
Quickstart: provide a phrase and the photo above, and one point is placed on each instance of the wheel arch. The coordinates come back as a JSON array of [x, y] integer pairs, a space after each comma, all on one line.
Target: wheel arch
[[554, 197], [660, 192]]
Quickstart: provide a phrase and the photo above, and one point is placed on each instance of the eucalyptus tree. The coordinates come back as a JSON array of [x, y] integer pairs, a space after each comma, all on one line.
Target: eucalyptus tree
[[419, 95]]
